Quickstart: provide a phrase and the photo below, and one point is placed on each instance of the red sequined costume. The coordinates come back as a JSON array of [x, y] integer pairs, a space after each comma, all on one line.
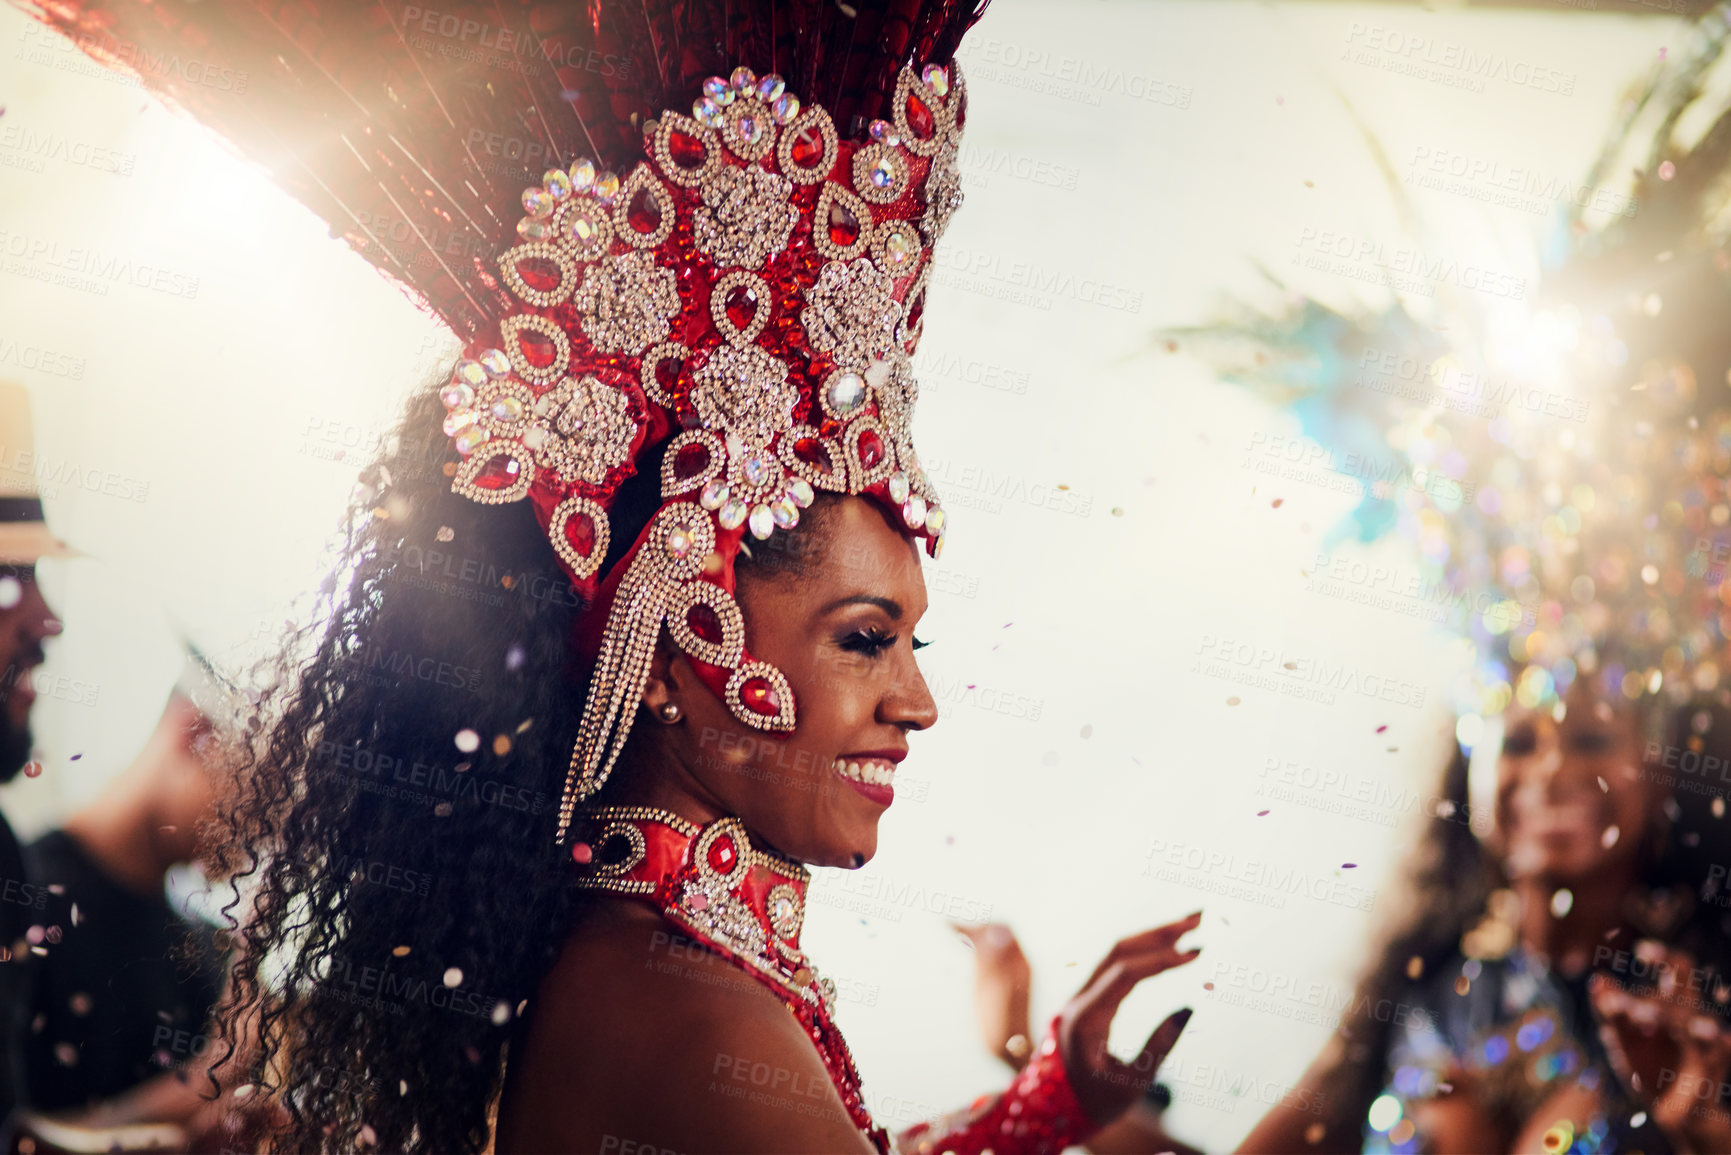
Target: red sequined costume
[[728, 298]]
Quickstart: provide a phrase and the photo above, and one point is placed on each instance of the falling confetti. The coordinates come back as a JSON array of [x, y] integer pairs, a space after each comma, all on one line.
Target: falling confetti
[[1609, 838], [1280, 100], [454, 977], [468, 741], [75, 757], [1349, 866], [1309, 184], [1207, 986], [1667, 170], [1232, 701], [446, 533], [400, 951], [1382, 729], [1088, 730], [1278, 502], [1262, 814]]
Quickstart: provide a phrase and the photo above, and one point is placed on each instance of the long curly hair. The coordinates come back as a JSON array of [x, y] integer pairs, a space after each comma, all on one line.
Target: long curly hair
[[392, 811]]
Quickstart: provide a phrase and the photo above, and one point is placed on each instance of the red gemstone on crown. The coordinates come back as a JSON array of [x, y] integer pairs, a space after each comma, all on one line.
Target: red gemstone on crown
[[644, 213], [814, 453], [843, 225], [704, 623], [687, 151], [500, 472], [807, 147], [916, 311], [741, 306], [691, 460], [538, 348], [920, 120], [667, 372], [539, 273], [871, 448], [759, 696], [580, 532], [723, 854]]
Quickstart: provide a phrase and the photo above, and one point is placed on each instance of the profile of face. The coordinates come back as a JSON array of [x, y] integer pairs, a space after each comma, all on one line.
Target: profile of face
[[25, 623], [837, 617], [1573, 804]]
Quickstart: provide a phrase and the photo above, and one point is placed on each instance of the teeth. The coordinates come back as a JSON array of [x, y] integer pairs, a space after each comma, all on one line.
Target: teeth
[[874, 772]]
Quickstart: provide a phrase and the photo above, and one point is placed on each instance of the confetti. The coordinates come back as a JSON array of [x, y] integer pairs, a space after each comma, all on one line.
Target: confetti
[[1382, 729], [1262, 813], [1349, 866], [1667, 170], [400, 951], [446, 533], [75, 757], [1309, 184], [1280, 100], [1233, 701], [468, 741], [453, 977], [1088, 730], [501, 744], [1278, 502], [1207, 986]]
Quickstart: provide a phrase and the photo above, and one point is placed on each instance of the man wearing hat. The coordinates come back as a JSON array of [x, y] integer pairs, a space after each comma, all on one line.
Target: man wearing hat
[[25, 623]]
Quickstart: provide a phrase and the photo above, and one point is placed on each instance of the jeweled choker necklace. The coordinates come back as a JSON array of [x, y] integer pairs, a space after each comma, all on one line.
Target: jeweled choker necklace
[[744, 903]]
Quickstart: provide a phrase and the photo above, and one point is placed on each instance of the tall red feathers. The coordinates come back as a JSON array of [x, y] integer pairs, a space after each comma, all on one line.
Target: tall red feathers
[[413, 128]]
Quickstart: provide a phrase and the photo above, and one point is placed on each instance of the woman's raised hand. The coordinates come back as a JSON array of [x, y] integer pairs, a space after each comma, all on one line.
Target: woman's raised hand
[[1107, 1086]]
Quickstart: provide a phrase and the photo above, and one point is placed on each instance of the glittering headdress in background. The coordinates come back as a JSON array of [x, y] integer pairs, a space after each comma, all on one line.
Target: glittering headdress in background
[[729, 296], [1562, 479]]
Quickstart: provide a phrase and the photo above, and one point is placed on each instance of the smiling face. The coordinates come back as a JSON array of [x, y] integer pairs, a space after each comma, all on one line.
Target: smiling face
[[1567, 789], [835, 613]]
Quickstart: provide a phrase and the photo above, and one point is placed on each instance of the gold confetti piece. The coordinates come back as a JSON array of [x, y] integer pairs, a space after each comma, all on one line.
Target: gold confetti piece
[[1232, 701], [502, 744], [400, 951], [446, 533]]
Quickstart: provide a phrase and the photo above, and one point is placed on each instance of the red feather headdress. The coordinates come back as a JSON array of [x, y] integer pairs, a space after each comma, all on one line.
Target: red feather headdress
[[706, 276]]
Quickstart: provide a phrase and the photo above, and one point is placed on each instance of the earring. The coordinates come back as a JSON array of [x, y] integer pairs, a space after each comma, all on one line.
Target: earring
[[669, 711]]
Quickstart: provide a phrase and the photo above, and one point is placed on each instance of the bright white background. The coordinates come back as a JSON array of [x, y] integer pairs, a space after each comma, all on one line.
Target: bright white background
[[1129, 164]]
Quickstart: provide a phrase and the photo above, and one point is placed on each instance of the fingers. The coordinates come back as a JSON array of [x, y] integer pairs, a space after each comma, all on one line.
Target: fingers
[[1137, 946], [1161, 1042]]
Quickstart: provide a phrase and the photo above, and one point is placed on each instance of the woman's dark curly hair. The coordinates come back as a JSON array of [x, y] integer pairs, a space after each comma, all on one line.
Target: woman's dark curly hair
[[385, 867]]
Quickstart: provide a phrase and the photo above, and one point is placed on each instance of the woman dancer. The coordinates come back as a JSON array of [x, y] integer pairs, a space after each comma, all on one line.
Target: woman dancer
[[684, 485]]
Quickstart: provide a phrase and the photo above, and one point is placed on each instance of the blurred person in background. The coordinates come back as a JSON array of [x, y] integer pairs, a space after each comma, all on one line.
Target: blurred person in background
[[1476, 1015], [127, 989], [1557, 474], [26, 622]]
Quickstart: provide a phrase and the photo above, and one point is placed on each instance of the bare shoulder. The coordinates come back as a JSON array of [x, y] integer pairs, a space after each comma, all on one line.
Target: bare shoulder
[[643, 1041]]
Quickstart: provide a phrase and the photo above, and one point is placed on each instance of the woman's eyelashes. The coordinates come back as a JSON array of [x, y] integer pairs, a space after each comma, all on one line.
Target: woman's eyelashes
[[871, 641]]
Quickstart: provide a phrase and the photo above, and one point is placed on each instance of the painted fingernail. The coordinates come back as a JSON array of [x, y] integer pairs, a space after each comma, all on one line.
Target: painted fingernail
[[1183, 1018]]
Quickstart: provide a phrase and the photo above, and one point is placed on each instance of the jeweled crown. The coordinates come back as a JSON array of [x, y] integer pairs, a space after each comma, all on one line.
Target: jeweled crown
[[742, 306]]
